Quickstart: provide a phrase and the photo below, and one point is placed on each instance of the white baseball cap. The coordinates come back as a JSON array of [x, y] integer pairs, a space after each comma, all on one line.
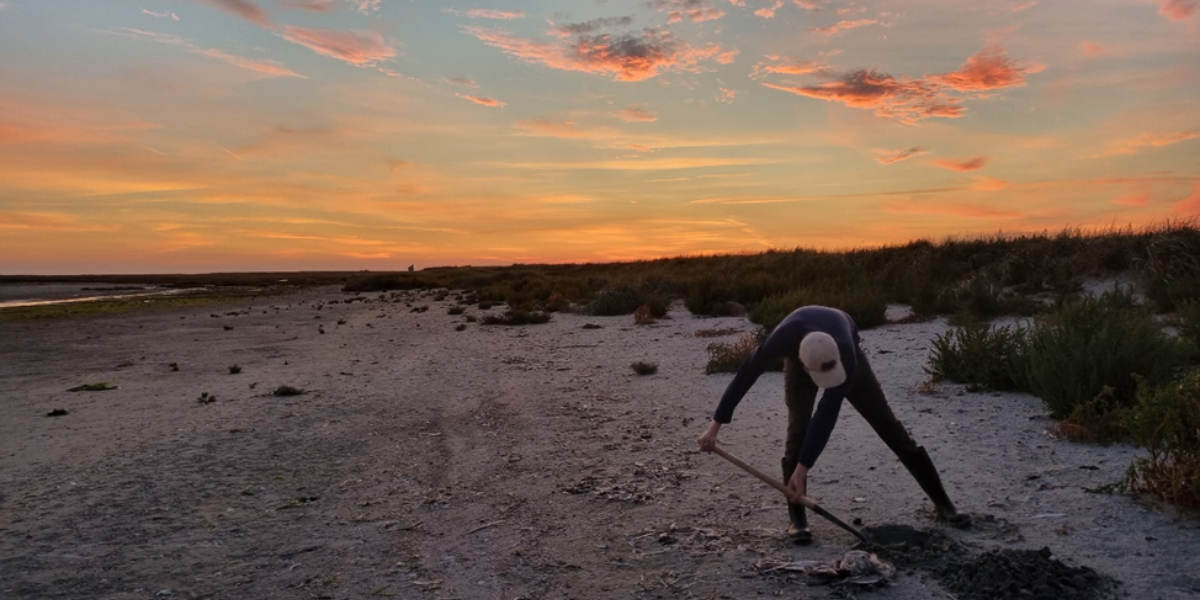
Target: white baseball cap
[[821, 358]]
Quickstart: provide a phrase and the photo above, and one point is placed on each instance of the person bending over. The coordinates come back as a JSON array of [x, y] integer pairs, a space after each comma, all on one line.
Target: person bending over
[[820, 349]]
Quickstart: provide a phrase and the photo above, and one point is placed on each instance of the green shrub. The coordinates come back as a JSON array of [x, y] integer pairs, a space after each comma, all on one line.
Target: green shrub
[[980, 356], [287, 390], [728, 357], [1073, 354], [1171, 266], [1166, 422], [866, 305], [457, 309], [621, 300], [644, 368]]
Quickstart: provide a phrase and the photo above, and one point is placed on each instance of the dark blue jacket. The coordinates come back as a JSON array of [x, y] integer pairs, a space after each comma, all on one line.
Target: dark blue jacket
[[784, 341]]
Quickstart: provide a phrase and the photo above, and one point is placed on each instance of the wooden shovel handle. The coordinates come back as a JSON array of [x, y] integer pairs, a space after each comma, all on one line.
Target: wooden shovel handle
[[771, 481]]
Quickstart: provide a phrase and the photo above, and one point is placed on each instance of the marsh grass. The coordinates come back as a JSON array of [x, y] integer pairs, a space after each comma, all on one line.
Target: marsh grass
[[1166, 422], [980, 356]]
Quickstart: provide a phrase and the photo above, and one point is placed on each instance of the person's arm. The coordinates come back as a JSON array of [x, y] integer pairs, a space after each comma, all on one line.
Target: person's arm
[[821, 426], [774, 346]]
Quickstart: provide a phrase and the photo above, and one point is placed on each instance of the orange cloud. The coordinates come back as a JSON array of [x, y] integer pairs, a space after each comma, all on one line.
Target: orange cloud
[[1176, 10], [768, 12], [787, 66], [905, 99], [887, 157], [360, 48], [634, 113], [481, 100], [545, 127], [48, 221], [1190, 205], [911, 100], [1136, 199], [1017, 7], [988, 69], [807, 4], [841, 26], [1090, 49], [1152, 140], [241, 8], [696, 11], [626, 57], [989, 184], [972, 164], [727, 96]]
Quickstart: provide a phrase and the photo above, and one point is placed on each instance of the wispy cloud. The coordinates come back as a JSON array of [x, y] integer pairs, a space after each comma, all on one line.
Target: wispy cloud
[[1017, 7], [50, 221], [241, 8], [650, 164], [887, 157], [843, 25], [1134, 199], [321, 6], [481, 100], [696, 11], [786, 65], [161, 15], [970, 164], [911, 100], [727, 96], [636, 114], [360, 48], [263, 66], [488, 13], [989, 184], [807, 4], [950, 209], [463, 81], [1152, 140], [625, 56]]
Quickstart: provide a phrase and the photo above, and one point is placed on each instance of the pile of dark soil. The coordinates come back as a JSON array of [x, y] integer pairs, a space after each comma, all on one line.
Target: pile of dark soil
[[1022, 575], [994, 575]]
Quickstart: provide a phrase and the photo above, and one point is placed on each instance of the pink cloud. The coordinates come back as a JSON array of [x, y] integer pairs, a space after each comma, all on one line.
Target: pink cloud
[[988, 69], [359, 48], [807, 4], [633, 113], [887, 157], [627, 57], [841, 26], [1090, 49], [1136, 199], [970, 164], [727, 96], [488, 13], [1177, 10], [696, 11], [242, 8], [1017, 7], [768, 12], [1190, 205], [482, 101], [989, 184], [545, 127]]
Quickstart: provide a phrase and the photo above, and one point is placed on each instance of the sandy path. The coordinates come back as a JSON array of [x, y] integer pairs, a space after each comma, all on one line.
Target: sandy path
[[494, 462]]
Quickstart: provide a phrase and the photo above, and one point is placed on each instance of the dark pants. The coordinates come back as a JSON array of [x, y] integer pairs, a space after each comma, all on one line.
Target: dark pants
[[866, 397]]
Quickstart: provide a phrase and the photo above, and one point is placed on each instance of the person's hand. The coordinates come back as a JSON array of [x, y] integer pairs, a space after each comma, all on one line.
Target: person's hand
[[708, 440], [798, 484]]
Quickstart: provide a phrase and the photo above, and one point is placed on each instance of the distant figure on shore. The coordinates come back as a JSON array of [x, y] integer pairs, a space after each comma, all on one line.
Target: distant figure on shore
[[410, 268], [820, 349]]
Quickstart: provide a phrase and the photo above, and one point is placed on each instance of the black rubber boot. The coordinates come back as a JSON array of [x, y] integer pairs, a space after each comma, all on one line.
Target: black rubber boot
[[797, 530], [921, 466]]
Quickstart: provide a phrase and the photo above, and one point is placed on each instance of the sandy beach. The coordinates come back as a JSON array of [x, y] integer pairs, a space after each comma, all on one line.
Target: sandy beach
[[428, 462]]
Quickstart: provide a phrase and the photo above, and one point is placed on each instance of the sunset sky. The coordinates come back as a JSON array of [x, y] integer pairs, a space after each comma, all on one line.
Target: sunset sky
[[238, 135]]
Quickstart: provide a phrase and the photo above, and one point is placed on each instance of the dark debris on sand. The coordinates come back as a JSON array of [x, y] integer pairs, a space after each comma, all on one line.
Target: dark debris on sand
[[998, 574]]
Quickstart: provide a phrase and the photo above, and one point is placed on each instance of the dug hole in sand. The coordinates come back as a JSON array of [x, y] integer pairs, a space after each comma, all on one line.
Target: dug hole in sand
[[426, 462]]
